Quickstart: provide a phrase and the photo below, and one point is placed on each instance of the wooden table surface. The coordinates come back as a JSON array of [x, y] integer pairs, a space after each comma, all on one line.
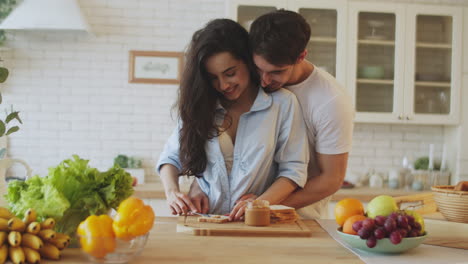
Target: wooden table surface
[[155, 190], [165, 245]]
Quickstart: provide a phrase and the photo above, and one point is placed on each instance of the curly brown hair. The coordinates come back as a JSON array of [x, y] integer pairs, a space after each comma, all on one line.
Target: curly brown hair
[[197, 98]]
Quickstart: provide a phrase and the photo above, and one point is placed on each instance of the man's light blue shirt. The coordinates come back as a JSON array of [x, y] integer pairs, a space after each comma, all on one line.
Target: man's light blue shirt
[[271, 142]]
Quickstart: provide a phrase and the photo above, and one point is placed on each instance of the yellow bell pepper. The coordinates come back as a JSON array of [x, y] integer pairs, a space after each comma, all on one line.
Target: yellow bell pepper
[[133, 219], [97, 237]]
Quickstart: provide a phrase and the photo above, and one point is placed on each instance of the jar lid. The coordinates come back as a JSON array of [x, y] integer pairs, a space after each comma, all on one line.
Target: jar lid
[[258, 204]]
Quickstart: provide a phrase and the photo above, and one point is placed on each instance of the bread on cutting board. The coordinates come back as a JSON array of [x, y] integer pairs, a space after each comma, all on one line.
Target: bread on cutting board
[[218, 219]]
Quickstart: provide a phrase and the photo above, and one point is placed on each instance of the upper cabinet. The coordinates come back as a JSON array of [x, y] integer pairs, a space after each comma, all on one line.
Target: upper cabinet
[[405, 63], [327, 45], [400, 62], [376, 60]]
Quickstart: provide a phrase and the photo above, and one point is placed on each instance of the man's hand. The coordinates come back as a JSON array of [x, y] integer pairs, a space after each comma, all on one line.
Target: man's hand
[[179, 203], [199, 198]]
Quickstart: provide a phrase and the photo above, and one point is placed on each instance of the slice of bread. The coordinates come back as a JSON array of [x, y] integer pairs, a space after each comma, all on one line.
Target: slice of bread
[[278, 208], [218, 219]]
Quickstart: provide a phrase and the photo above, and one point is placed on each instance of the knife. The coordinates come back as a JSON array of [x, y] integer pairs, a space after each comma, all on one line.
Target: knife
[[200, 214]]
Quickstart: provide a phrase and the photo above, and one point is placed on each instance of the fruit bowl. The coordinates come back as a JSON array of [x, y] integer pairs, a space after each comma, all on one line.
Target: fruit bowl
[[123, 252], [383, 245]]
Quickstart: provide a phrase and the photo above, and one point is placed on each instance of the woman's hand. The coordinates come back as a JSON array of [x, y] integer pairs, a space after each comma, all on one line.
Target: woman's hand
[[179, 203], [199, 198], [239, 209]]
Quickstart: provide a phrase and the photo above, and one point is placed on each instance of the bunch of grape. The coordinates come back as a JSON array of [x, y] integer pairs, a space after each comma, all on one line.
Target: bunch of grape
[[396, 226]]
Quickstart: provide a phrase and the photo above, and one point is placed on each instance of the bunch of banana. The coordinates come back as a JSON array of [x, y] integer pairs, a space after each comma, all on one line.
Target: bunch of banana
[[26, 240]]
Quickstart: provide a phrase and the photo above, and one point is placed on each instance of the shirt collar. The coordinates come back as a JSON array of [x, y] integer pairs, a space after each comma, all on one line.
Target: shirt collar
[[262, 101]]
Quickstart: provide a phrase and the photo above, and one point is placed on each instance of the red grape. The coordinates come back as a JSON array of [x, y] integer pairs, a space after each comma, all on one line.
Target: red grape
[[364, 233], [368, 223], [395, 237], [380, 233], [402, 221], [417, 226], [410, 219], [390, 225], [393, 216], [403, 232], [380, 220], [371, 242], [357, 225], [413, 233]]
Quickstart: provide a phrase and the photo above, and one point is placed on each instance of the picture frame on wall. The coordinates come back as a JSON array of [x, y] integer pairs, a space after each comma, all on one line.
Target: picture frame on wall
[[161, 67]]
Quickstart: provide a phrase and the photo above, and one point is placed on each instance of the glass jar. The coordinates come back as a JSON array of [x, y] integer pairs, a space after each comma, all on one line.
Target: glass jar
[[257, 213]]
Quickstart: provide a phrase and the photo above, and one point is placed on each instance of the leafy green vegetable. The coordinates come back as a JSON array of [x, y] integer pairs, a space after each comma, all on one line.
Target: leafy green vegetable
[[422, 163], [71, 192]]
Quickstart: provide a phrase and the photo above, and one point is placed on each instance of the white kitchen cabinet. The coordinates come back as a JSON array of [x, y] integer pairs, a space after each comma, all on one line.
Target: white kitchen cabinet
[[376, 60], [327, 46], [465, 40], [405, 63], [433, 64]]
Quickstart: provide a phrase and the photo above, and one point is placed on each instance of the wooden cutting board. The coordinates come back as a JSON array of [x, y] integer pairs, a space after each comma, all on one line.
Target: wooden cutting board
[[192, 226], [446, 234]]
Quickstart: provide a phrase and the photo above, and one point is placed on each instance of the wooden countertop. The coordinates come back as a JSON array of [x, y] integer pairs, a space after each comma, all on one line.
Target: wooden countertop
[[155, 190], [165, 245]]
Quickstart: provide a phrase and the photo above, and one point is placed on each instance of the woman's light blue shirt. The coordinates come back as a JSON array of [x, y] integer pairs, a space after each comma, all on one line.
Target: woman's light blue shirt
[[271, 142]]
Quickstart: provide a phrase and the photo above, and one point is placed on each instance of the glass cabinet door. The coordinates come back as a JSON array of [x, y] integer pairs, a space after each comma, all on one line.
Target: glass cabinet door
[[433, 61], [323, 40], [375, 86], [246, 14]]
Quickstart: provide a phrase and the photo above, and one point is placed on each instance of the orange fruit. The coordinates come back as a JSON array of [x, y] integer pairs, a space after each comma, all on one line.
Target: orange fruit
[[347, 208], [348, 224]]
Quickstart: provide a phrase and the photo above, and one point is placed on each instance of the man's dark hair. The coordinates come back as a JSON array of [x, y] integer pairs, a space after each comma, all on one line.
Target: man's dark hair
[[279, 36]]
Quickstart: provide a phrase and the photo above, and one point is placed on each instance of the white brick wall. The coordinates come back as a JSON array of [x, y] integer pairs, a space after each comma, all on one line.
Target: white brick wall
[[74, 96]]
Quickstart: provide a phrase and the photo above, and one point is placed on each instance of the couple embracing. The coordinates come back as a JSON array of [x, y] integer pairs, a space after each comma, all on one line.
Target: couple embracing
[[256, 120]]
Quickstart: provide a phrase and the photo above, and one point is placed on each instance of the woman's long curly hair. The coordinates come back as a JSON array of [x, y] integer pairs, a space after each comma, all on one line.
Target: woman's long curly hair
[[197, 98]]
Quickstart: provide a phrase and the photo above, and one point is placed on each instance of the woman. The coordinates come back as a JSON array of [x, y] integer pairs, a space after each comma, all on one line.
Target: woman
[[234, 137]]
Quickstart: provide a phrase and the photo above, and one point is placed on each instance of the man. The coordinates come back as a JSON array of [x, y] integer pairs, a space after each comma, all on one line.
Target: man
[[278, 41]]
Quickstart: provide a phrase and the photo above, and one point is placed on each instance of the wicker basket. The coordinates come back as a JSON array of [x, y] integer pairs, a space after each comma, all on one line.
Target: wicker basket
[[452, 204]]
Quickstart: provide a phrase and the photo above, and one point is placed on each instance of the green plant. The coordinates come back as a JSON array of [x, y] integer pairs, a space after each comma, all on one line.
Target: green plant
[[122, 161], [11, 115], [5, 8], [422, 163], [127, 162]]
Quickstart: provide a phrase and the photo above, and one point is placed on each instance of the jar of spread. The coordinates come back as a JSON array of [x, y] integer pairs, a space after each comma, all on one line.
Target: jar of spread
[[257, 213]]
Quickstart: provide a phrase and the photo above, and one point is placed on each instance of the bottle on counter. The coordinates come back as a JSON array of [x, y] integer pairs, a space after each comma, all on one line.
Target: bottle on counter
[[405, 174], [375, 180]]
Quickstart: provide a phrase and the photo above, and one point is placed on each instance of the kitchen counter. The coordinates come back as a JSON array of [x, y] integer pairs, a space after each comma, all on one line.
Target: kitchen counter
[[165, 245], [155, 190]]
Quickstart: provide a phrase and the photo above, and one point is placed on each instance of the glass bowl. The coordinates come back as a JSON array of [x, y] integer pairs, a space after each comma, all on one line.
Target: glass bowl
[[383, 245], [124, 251]]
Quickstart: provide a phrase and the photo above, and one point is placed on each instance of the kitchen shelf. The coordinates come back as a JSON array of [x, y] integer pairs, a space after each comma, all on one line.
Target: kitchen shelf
[[377, 42], [433, 84], [375, 81], [323, 39], [433, 45]]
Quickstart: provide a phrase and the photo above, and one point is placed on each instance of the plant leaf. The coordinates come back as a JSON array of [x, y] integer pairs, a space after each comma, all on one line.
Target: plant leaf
[[3, 74], [2, 128], [11, 116], [12, 130], [19, 119]]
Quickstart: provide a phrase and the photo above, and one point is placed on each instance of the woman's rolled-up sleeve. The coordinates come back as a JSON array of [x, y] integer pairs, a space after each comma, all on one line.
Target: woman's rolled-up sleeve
[[170, 153]]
